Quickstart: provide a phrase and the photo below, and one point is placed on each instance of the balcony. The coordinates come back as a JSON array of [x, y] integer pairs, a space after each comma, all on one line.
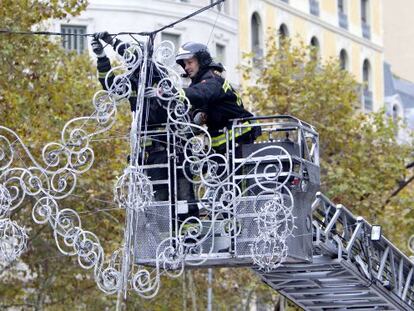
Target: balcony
[[366, 30], [343, 20], [314, 7], [367, 100]]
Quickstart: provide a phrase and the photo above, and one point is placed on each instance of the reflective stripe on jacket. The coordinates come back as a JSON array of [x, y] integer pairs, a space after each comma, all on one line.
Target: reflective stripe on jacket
[[220, 140], [211, 93]]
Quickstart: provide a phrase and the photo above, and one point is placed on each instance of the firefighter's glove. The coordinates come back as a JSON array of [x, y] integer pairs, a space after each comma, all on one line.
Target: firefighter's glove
[[105, 37], [200, 118], [97, 48]]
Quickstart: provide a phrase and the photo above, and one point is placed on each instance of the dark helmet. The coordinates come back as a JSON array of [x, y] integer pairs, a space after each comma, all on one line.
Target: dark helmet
[[194, 49]]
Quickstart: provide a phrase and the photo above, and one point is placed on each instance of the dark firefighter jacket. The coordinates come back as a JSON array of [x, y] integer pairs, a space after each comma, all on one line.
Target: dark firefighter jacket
[[211, 93], [153, 107]]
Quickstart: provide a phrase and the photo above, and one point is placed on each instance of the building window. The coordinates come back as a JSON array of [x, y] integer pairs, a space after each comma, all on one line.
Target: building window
[[314, 43], [366, 74], [314, 7], [364, 11], [283, 33], [342, 16], [341, 6], [395, 116], [220, 53], [366, 79], [366, 31], [75, 41], [256, 35], [395, 113], [175, 39], [343, 59]]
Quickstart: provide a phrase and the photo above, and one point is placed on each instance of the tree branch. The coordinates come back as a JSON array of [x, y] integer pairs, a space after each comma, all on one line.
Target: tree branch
[[249, 297], [399, 189], [13, 305], [191, 287]]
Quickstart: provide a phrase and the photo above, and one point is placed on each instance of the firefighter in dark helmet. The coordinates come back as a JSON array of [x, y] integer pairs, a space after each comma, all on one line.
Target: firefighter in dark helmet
[[213, 100], [156, 145]]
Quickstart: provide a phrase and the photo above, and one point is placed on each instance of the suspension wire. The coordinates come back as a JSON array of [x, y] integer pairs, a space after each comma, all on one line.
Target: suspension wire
[[123, 137], [188, 16], [214, 26], [43, 33], [142, 33]]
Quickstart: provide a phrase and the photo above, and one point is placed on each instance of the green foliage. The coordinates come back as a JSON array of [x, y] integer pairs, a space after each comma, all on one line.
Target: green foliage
[[22, 15], [41, 88], [361, 162]]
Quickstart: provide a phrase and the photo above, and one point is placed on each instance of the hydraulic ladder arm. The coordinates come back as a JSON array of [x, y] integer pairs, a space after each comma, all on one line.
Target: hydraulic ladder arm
[[349, 271]]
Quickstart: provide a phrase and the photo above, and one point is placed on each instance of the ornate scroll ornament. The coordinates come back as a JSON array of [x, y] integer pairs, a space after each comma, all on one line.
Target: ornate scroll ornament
[[133, 190], [53, 179], [221, 195], [13, 239], [275, 223], [64, 161], [273, 207], [56, 178], [5, 201]]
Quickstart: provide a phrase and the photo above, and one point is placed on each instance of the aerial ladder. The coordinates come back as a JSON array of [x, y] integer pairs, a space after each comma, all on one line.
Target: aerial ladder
[[275, 221], [349, 271]]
